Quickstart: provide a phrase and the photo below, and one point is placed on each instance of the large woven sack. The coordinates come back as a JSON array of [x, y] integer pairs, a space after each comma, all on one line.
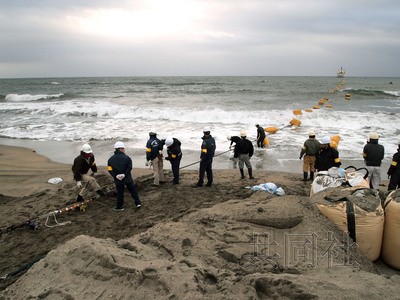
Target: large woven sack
[[391, 234], [358, 212]]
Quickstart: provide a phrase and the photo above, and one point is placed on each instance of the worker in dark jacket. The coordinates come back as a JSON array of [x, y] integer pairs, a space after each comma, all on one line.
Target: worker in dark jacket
[[260, 136], [244, 151], [327, 157], [206, 158], [394, 171], [310, 150], [82, 164], [120, 167], [174, 156], [154, 157], [373, 154], [233, 139]]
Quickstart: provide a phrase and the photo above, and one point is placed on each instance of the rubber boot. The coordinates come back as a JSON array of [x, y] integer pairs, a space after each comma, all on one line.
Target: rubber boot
[[251, 173], [311, 176], [242, 173], [305, 174]]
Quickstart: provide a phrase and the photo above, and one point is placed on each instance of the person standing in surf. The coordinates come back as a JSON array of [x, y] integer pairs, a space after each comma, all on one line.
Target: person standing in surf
[[260, 136]]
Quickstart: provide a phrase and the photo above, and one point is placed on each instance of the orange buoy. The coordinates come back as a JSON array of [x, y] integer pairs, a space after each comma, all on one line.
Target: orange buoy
[[271, 129], [266, 142], [335, 139], [315, 107], [308, 110], [295, 122], [297, 112], [328, 106]]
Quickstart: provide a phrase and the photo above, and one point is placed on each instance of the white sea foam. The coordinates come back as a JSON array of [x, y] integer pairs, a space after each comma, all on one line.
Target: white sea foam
[[106, 113], [28, 97]]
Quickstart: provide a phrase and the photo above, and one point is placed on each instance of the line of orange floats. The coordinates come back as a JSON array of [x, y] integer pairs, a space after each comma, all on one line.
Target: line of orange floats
[[335, 139]]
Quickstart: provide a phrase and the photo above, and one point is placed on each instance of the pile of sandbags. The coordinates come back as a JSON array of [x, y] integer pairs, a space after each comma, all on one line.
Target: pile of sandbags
[[391, 236], [357, 211]]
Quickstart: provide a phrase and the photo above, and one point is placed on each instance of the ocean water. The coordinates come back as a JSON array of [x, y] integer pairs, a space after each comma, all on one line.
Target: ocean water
[[55, 116]]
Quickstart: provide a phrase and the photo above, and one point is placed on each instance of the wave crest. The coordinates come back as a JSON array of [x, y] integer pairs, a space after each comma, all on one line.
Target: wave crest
[[29, 97]]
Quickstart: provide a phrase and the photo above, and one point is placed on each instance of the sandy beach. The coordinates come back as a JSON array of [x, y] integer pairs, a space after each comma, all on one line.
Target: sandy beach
[[222, 242]]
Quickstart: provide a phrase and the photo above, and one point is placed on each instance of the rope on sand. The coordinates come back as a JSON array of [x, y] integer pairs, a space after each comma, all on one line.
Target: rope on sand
[[200, 160], [55, 220]]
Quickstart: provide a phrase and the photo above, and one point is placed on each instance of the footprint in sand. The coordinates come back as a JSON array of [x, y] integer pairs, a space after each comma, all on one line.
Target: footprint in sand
[[187, 247]]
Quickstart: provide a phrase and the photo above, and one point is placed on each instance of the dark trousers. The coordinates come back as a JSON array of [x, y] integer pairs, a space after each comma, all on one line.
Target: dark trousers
[[394, 182], [175, 163], [205, 166], [260, 142], [120, 193]]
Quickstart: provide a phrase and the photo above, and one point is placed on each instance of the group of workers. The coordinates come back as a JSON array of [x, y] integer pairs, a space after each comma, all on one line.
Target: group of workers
[[320, 156]]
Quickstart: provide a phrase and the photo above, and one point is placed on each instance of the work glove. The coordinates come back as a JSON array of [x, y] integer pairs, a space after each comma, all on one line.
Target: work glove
[[120, 176], [93, 174], [299, 157], [79, 184], [167, 158], [388, 176], [148, 163]]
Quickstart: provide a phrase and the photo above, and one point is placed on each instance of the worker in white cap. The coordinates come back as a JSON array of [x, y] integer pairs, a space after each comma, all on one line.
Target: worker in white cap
[[244, 150], [206, 158], [310, 150], [82, 164], [373, 154], [394, 170], [327, 156], [120, 167]]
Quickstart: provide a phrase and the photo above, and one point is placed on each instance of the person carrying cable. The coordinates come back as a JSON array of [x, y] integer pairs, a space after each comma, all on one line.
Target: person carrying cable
[[174, 156], [82, 164], [244, 150], [120, 167], [373, 154], [327, 156], [154, 158], [310, 150], [206, 158]]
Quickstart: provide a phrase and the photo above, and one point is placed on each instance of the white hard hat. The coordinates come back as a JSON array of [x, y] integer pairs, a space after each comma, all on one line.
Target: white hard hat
[[373, 136], [206, 129], [119, 145], [86, 148], [311, 132], [169, 141], [243, 133], [326, 140]]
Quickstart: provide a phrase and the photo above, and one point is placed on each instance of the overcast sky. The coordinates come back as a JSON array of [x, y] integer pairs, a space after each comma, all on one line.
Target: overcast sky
[[48, 38]]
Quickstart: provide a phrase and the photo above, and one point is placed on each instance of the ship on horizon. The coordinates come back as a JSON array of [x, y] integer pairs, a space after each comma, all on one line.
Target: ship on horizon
[[340, 73]]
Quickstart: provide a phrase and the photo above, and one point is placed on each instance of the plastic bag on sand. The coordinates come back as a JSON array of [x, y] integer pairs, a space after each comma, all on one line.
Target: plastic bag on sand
[[55, 180], [268, 187]]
